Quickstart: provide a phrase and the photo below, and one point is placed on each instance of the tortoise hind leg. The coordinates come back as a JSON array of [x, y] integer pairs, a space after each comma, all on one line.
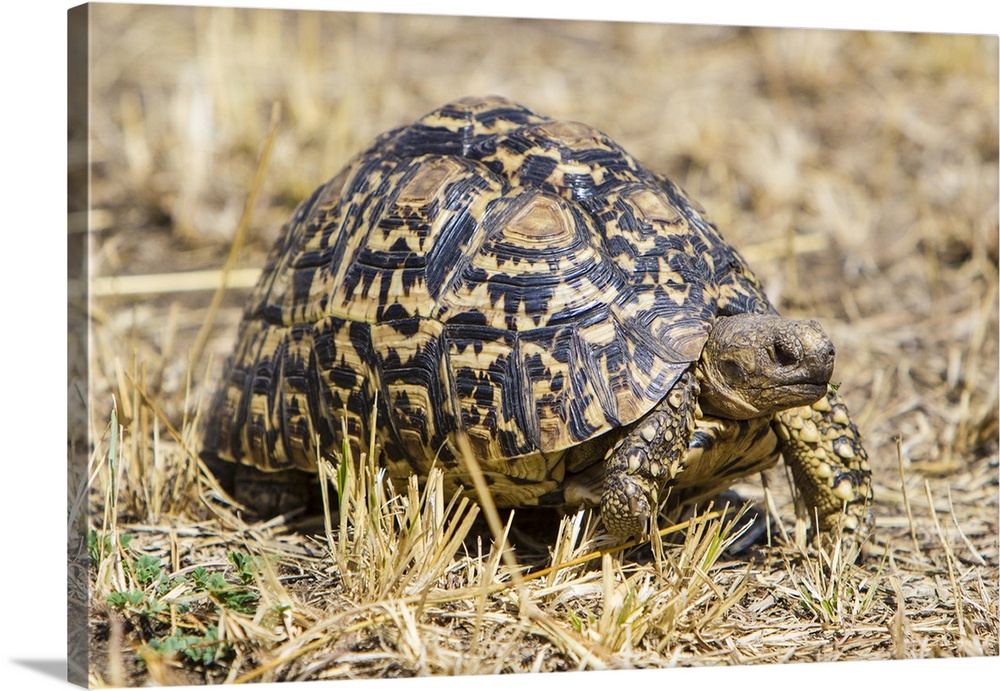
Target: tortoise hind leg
[[638, 466], [274, 493], [267, 494], [829, 465]]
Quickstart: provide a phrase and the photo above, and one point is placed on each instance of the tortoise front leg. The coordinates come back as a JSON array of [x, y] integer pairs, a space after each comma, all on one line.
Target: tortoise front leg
[[829, 465], [638, 466]]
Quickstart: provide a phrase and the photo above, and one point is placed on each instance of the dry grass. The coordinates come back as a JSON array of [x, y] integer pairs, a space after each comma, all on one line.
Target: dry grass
[[858, 173]]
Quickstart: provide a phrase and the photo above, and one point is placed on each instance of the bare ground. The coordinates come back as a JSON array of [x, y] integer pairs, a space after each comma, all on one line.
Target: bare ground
[[858, 173]]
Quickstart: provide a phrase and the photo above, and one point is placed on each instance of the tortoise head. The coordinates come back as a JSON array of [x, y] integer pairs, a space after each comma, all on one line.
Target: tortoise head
[[754, 365]]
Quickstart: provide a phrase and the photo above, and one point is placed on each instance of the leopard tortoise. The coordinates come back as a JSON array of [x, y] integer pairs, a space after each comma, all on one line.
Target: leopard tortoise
[[524, 282]]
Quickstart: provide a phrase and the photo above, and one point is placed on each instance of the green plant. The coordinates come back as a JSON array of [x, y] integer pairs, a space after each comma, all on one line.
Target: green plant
[[203, 649]]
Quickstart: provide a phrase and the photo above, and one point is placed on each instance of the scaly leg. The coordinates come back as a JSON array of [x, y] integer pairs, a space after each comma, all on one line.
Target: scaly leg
[[829, 465], [639, 465]]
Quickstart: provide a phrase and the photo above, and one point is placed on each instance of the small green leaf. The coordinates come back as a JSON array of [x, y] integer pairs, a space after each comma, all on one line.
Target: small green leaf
[[626, 610], [127, 598], [146, 569], [245, 566], [238, 600], [215, 582], [97, 545], [575, 622], [204, 649], [198, 575], [342, 477], [113, 444]]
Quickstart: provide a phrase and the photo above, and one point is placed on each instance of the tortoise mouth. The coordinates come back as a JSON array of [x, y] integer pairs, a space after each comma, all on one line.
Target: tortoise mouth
[[806, 388], [790, 395], [804, 378], [749, 401]]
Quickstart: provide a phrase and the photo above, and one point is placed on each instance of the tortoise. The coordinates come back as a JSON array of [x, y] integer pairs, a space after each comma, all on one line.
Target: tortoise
[[524, 283]]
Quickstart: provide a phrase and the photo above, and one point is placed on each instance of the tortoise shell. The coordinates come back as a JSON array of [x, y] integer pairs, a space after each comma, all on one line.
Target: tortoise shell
[[485, 271]]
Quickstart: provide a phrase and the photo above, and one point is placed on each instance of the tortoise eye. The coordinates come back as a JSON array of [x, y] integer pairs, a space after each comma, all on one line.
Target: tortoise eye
[[731, 370]]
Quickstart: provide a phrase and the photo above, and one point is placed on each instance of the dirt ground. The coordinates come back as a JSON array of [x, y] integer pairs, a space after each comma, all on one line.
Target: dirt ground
[[856, 171]]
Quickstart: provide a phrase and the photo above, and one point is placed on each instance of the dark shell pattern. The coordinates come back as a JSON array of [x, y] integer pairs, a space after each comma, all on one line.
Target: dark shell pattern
[[487, 271]]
